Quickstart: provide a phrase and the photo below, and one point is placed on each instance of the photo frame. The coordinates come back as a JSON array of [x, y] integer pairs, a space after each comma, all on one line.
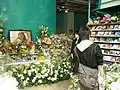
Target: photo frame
[[15, 34]]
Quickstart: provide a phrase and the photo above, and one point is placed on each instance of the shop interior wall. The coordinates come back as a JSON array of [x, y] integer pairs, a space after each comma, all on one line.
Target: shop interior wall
[[29, 14], [70, 20], [80, 19], [65, 21], [61, 22]]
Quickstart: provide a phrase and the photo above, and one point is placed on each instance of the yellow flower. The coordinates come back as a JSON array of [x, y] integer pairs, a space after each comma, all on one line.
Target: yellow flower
[[42, 58]]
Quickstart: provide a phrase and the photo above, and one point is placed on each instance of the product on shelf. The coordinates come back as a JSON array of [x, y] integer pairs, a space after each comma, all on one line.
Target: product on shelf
[[110, 58], [93, 33], [108, 37], [105, 19], [117, 33], [98, 28], [93, 28], [114, 18], [102, 39], [116, 26], [100, 33], [119, 27], [106, 33], [109, 27], [104, 27]]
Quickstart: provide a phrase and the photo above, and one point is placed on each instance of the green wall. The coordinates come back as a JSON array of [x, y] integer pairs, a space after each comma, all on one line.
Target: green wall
[[29, 14], [80, 19], [61, 22]]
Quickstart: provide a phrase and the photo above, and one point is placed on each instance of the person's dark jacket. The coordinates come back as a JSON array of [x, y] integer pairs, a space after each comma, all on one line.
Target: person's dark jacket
[[73, 44], [91, 57]]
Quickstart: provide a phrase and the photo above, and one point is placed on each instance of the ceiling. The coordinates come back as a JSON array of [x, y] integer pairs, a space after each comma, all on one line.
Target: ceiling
[[75, 5]]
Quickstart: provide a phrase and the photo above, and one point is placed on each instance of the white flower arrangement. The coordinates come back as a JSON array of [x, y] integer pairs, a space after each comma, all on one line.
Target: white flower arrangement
[[112, 75], [59, 47], [43, 29], [37, 74], [74, 83], [59, 68]]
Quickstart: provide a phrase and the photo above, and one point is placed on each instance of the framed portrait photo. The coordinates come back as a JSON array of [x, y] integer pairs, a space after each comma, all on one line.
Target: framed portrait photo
[[20, 35]]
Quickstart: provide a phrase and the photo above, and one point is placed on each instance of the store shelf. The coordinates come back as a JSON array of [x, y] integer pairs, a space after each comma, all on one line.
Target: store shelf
[[103, 42], [105, 36], [110, 49], [101, 28], [118, 23], [111, 55], [106, 30], [111, 61]]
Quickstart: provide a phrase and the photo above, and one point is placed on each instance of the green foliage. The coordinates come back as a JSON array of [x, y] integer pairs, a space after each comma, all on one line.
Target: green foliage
[[112, 74]]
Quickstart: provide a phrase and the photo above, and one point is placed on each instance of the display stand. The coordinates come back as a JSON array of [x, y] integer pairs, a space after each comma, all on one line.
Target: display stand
[[108, 37]]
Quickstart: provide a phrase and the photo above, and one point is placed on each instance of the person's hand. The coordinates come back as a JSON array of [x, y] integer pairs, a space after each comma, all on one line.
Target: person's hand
[[100, 70], [74, 39], [101, 74]]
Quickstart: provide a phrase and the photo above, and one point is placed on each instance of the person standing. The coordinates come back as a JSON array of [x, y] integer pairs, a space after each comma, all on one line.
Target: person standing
[[88, 54], [75, 41]]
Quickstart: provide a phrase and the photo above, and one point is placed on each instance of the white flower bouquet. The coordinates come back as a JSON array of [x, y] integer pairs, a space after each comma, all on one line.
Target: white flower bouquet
[[59, 48], [74, 83], [36, 74], [112, 75]]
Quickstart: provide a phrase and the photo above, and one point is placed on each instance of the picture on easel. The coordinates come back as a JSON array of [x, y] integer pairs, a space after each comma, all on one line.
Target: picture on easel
[[20, 36]]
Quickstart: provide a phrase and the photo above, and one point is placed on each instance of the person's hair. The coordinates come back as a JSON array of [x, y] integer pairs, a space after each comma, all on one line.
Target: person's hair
[[70, 30], [84, 33], [77, 32], [23, 35]]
